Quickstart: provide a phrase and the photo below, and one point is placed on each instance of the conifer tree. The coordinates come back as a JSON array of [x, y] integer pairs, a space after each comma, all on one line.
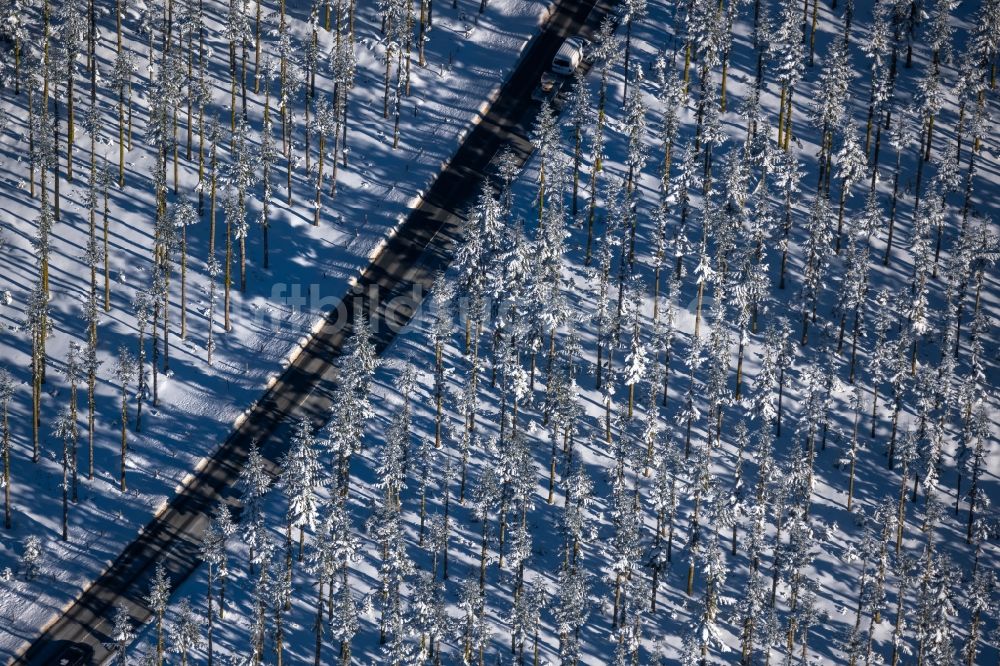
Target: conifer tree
[[301, 483], [184, 632], [122, 635], [254, 482], [126, 370], [351, 405], [213, 553], [157, 599], [6, 395]]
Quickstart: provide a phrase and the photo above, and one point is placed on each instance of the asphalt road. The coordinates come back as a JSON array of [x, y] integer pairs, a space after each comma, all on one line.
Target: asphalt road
[[424, 245]]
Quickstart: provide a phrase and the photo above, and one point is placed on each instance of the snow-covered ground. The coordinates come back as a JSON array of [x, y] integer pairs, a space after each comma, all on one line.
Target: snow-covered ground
[[468, 55], [837, 567]]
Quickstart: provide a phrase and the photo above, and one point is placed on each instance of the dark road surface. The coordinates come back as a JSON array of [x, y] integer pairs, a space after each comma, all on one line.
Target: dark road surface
[[423, 245]]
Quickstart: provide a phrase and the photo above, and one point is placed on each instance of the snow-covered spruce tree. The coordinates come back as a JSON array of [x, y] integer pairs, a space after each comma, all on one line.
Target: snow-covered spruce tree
[[122, 635], [716, 381], [980, 601], [430, 616], [575, 522], [213, 553], [581, 117], [442, 297], [231, 208], [343, 67], [438, 530], [184, 632], [157, 599], [928, 100], [266, 159], [15, 32], [237, 32], [73, 372], [486, 501], [527, 618], [664, 334], [310, 49], [142, 305], [121, 82], [395, 570], [635, 121], [396, 33], [72, 18], [624, 549], [877, 48], [184, 215], [854, 296], [36, 322], [813, 414], [65, 430], [30, 75], [977, 462], [704, 632], [279, 601], [605, 55], [125, 372], [91, 363], [785, 49], [906, 571], [351, 405], [865, 552], [852, 167], [301, 483], [817, 257], [935, 601], [874, 597], [334, 548], [6, 395], [546, 140], [689, 413], [31, 557], [604, 317], [900, 381], [670, 95], [159, 294], [806, 536], [253, 483], [668, 488], [982, 584], [323, 124], [749, 611], [344, 620], [391, 465], [547, 309], [424, 468], [243, 178], [918, 316], [521, 477], [628, 638], [636, 360], [900, 138], [260, 602], [563, 408], [787, 176], [629, 13], [572, 608]]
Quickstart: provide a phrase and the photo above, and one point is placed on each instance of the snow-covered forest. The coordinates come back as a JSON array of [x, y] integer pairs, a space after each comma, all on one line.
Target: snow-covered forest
[[712, 378]]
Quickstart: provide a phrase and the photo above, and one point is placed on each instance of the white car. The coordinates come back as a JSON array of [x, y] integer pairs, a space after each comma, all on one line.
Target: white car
[[569, 56]]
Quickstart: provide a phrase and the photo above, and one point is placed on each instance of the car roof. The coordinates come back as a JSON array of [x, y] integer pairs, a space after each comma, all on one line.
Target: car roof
[[568, 48]]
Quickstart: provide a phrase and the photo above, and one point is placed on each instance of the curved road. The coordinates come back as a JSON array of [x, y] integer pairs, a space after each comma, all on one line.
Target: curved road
[[407, 264]]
